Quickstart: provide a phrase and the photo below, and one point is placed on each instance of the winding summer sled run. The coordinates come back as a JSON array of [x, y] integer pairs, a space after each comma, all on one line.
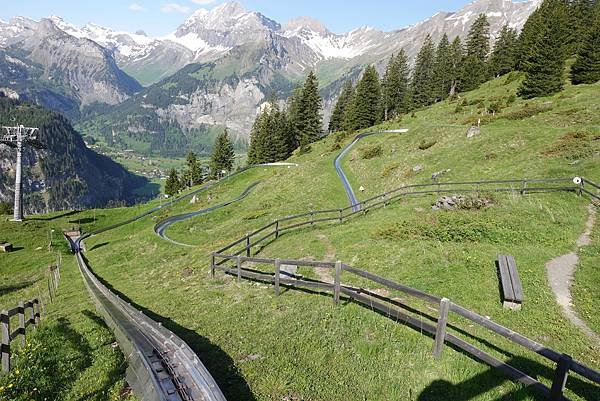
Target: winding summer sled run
[[340, 172], [163, 225], [162, 367]]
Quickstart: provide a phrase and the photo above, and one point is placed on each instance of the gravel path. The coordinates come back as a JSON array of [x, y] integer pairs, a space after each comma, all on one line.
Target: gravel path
[[560, 276]]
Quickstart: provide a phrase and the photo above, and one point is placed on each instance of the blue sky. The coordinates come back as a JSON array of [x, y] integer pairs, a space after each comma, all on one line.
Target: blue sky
[[159, 17]]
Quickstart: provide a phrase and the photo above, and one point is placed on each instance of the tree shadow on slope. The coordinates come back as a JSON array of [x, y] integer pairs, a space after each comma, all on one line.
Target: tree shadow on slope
[[220, 365]]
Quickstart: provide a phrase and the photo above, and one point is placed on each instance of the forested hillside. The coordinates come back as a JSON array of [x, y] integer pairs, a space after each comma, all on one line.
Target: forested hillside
[[67, 175]]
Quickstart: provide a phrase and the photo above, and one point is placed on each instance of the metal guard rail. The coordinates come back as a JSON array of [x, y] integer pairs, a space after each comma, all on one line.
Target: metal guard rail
[[162, 367]]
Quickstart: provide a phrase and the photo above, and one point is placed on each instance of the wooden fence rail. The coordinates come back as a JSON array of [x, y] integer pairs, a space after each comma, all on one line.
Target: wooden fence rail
[[389, 307], [392, 308], [24, 321]]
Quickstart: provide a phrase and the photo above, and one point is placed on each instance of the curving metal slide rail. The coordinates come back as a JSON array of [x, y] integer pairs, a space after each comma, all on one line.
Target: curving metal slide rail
[[161, 227], [162, 367], [337, 163]]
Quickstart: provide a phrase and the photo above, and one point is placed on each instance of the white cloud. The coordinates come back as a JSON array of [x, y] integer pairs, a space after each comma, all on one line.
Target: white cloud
[[174, 7], [136, 7], [204, 2]]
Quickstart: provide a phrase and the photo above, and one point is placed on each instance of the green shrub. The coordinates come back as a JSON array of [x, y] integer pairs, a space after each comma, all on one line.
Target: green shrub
[[424, 145], [371, 152], [526, 112]]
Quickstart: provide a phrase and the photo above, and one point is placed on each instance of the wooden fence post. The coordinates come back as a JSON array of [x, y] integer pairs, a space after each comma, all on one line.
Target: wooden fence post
[[5, 321], [440, 333], [50, 287], [337, 282], [38, 310], [21, 312], [277, 271], [312, 218], [276, 229], [560, 378], [32, 315], [212, 265], [341, 215], [523, 186], [239, 268], [247, 245]]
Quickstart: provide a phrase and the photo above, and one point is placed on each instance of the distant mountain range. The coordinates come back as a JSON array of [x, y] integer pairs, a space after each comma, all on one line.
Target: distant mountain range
[[216, 69]]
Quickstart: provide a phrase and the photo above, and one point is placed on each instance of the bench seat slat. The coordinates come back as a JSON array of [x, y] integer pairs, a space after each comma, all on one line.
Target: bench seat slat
[[515, 279], [507, 288]]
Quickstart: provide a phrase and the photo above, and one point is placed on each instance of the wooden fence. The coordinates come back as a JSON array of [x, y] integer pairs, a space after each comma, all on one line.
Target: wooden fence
[[8, 336], [52, 275], [240, 251]]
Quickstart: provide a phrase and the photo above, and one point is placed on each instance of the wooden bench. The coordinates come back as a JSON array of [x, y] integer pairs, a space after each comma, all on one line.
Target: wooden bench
[[6, 247], [512, 290]]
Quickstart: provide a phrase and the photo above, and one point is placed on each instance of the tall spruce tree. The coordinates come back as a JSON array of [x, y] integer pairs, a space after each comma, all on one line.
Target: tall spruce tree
[[456, 60], [475, 71], [443, 68], [336, 122], [223, 155], [193, 174], [586, 69], [172, 185], [545, 63], [256, 150], [310, 111], [365, 108], [502, 60], [394, 86], [423, 89]]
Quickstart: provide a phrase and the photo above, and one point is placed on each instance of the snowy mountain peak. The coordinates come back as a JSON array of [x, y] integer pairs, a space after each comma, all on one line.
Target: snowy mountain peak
[[309, 23]]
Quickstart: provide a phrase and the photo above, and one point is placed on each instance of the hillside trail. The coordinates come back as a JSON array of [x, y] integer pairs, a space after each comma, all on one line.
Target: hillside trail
[[560, 272]]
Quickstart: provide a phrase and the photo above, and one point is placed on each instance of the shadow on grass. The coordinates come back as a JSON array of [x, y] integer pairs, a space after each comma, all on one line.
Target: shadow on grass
[[7, 289], [66, 214], [476, 385], [98, 246], [220, 365]]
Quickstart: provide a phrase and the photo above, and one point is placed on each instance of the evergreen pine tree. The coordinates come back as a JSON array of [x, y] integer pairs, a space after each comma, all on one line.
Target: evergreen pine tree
[[394, 86], [423, 88], [365, 109], [586, 69], [456, 61], [223, 155], [310, 111], [475, 71], [544, 67], [172, 185], [193, 174], [443, 68], [502, 60], [336, 122], [257, 142]]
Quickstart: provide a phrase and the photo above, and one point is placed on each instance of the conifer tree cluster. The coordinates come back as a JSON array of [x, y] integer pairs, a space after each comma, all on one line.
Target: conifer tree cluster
[[276, 133], [556, 31]]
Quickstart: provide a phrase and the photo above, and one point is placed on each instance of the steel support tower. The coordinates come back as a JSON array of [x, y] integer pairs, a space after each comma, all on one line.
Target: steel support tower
[[17, 137]]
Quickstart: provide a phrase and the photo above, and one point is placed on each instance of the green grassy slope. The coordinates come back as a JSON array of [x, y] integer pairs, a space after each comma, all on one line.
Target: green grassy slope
[[299, 345], [72, 356]]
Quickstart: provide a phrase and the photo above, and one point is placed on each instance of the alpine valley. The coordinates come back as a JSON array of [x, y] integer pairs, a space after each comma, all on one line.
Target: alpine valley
[[217, 69]]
